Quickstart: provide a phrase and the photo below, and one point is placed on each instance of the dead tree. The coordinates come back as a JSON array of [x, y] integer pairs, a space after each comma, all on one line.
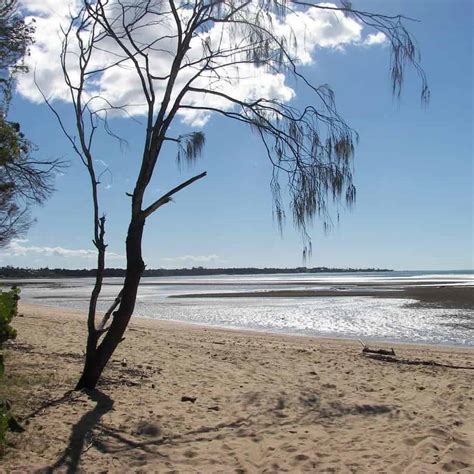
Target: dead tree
[[207, 43]]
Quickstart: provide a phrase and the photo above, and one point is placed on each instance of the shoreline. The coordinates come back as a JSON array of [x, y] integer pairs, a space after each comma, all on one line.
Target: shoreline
[[176, 323]]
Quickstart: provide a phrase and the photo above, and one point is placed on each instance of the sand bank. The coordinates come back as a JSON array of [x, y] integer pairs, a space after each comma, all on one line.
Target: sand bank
[[262, 403], [459, 297]]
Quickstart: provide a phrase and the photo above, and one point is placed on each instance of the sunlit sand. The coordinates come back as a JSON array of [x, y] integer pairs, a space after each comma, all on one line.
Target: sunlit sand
[[185, 398]]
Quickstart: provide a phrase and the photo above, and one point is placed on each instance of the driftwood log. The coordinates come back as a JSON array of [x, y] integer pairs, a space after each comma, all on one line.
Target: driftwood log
[[366, 349], [385, 355]]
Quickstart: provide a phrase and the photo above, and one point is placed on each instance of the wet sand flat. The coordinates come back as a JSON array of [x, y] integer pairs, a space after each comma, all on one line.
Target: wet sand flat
[[437, 295]]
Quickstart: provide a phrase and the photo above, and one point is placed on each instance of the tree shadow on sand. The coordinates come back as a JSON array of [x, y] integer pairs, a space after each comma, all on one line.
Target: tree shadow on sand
[[145, 442], [113, 440], [68, 397], [80, 438]]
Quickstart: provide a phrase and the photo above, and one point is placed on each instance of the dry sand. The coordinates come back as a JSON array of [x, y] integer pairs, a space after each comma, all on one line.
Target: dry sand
[[264, 403]]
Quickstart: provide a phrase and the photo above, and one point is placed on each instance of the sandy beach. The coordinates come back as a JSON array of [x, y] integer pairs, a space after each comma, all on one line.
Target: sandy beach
[[184, 398]]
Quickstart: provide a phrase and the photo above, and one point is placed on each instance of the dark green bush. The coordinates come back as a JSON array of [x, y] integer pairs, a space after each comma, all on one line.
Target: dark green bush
[[8, 309]]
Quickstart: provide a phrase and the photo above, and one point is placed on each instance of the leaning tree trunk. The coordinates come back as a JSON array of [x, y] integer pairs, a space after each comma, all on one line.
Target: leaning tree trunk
[[97, 358]]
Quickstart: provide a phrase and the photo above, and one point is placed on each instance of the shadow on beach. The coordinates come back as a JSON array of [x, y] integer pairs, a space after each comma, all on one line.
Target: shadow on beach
[[80, 439], [143, 444]]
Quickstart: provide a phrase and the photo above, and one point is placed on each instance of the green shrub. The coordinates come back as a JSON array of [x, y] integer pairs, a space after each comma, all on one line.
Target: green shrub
[[8, 309]]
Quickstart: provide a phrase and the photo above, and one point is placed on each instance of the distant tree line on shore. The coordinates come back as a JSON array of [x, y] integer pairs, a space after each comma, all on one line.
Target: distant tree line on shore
[[15, 272]]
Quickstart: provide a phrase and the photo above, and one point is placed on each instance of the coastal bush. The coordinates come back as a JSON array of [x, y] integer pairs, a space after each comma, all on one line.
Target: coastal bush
[[8, 309]]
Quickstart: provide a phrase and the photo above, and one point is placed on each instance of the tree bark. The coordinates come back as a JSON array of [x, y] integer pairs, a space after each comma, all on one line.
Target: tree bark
[[97, 360]]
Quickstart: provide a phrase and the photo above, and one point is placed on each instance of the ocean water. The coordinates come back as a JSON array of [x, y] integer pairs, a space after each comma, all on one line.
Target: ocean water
[[365, 318]]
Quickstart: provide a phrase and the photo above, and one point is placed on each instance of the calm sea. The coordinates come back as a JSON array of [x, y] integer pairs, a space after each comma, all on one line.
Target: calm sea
[[366, 318]]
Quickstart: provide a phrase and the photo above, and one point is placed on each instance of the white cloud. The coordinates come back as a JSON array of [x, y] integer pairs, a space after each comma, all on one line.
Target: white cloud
[[312, 29], [17, 248], [319, 28], [48, 8], [376, 38], [194, 259]]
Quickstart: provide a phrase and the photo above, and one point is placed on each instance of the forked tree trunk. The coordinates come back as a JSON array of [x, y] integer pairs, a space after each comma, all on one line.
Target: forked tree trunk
[[97, 357]]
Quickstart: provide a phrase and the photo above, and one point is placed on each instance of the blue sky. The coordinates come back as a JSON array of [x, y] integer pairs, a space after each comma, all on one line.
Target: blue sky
[[413, 172]]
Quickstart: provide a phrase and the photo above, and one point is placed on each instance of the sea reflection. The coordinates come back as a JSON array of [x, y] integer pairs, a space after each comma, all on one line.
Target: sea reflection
[[368, 318]]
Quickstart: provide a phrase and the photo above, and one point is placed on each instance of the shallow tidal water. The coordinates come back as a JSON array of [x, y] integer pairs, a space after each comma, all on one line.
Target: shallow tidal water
[[358, 317]]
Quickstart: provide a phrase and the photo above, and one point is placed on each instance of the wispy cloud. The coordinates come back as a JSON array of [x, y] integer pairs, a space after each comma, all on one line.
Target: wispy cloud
[[19, 248], [194, 259]]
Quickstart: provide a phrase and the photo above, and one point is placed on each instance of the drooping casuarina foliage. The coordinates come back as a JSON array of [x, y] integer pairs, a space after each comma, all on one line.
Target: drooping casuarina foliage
[[23, 180], [188, 60]]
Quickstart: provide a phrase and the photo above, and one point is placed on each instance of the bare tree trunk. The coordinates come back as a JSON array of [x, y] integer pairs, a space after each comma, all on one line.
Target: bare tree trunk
[[97, 358], [98, 354]]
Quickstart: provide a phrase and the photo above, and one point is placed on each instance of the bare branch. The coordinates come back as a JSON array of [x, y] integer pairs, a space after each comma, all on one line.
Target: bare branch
[[166, 198], [109, 312]]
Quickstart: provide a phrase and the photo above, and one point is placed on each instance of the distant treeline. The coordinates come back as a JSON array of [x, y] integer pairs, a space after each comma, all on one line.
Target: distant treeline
[[14, 272]]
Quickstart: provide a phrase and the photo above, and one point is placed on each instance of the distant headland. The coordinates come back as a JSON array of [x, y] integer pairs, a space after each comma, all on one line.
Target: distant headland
[[15, 272]]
